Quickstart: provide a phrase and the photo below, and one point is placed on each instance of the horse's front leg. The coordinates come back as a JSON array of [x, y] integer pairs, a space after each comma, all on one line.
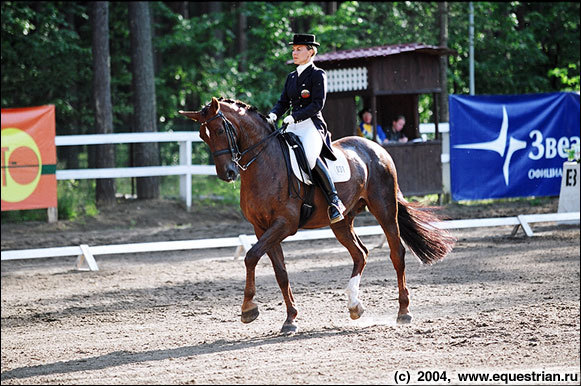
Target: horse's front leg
[[277, 257], [266, 241]]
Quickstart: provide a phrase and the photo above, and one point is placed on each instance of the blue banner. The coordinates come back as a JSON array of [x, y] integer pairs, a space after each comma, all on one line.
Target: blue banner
[[510, 145]]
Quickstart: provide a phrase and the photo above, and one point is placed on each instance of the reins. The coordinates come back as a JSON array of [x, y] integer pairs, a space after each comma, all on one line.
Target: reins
[[233, 145]]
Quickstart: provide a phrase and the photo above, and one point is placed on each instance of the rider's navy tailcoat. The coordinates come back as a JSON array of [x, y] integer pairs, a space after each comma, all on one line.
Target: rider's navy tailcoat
[[306, 95]]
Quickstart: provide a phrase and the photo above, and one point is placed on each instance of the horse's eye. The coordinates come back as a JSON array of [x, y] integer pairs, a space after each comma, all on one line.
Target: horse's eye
[[220, 131]]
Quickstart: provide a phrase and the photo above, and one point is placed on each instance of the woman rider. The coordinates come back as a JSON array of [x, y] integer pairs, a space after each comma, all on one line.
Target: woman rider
[[305, 91]]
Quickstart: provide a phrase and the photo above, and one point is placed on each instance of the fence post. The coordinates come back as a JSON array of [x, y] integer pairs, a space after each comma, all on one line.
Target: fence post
[[186, 180], [52, 214]]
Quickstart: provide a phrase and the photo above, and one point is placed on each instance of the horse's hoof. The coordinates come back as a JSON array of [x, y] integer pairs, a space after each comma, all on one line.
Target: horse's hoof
[[289, 328], [250, 315], [404, 319], [357, 311]]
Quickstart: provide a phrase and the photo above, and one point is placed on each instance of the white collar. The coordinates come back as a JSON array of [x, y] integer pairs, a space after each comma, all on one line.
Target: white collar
[[302, 67]]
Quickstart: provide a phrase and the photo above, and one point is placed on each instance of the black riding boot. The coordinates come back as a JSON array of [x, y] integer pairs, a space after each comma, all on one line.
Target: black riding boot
[[336, 207]]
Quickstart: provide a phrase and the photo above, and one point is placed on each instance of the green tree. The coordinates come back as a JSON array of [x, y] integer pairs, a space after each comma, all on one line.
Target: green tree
[[46, 59], [517, 45]]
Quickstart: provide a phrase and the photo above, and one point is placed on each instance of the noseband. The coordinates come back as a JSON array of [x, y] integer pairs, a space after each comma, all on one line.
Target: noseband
[[233, 143]]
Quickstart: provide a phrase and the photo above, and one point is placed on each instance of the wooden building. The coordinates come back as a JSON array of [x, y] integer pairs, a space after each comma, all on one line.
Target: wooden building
[[389, 80]]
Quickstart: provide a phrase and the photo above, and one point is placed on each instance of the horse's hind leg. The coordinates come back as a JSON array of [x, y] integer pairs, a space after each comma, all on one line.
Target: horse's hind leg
[[385, 211], [346, 235]]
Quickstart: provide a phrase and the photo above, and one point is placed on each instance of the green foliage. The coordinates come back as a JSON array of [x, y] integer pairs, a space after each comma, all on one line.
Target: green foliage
[[211, 191], [24, 215], [46, 50], [76, 198], [569, 77], [47, 60], [515, 46]]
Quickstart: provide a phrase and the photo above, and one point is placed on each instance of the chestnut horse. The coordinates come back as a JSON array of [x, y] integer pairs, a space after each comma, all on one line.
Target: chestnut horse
[[243, 143]]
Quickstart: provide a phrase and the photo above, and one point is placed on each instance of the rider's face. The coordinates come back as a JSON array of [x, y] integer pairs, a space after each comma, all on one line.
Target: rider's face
[[301, 54]]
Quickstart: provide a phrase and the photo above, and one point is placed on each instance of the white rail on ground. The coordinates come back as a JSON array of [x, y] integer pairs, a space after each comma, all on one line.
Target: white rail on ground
[[86, 253]]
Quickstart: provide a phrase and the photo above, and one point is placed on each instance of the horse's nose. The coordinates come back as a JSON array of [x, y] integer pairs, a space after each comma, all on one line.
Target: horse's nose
[[231, 174]]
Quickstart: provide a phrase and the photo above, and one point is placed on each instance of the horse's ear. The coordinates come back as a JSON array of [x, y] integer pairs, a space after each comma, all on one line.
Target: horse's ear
[[194, 115], [214, 106]]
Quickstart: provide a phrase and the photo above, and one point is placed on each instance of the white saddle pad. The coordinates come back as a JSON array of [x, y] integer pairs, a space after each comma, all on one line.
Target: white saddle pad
[[339, 170]]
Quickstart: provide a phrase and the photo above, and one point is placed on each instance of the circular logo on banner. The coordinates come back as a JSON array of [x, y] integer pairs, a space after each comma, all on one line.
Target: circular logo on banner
[[21, 165]]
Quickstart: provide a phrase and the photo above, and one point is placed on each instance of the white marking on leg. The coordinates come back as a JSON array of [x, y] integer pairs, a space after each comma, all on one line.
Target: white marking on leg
[[353, 291]]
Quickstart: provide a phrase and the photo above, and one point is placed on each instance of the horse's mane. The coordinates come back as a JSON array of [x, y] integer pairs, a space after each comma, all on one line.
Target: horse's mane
[[239, 104]]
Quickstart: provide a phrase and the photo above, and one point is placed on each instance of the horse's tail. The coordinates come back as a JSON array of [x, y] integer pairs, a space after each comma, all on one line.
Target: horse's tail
[[429, 243]]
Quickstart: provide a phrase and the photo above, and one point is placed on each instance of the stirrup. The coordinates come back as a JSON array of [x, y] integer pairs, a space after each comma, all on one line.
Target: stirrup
[[337, 218], [335, 211]]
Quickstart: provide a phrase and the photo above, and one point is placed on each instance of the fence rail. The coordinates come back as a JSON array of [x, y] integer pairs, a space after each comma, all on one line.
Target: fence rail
[[244, 242], [185, 169]]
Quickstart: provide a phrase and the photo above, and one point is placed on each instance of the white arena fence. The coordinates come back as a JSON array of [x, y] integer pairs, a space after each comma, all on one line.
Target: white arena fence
[[185, 169], [86, 253]]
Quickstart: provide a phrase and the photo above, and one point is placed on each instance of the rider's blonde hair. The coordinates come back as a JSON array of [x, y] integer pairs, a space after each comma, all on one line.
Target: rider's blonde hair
[[314, 48]]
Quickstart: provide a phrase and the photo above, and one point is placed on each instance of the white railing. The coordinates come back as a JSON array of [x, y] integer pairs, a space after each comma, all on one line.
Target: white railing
[[185, 169], [243, 243]]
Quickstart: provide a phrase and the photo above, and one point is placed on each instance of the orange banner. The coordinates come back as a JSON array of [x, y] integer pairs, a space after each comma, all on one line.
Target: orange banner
[[28, 158]]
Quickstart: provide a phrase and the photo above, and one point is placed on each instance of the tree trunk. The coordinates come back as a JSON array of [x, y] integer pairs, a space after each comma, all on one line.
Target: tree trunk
[[443, 16], [216, 7], [71, 153], [143, 95], [330, 7], [105, 155], [242, 38]]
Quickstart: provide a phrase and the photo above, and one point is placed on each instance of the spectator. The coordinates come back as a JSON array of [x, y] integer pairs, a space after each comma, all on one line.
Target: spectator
[[396, 134], [366, 128]]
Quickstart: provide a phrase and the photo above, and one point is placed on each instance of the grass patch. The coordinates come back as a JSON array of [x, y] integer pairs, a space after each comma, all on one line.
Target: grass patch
[[532, 201]]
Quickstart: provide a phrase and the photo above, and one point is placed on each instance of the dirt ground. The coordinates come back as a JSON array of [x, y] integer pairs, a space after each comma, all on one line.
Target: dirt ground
[[498, 304]]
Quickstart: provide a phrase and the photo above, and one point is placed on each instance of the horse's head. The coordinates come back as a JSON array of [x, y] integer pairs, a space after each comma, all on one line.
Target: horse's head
[[220, 135]]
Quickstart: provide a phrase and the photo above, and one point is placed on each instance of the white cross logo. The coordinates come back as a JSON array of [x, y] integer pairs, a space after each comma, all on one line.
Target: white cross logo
[[499, 145]]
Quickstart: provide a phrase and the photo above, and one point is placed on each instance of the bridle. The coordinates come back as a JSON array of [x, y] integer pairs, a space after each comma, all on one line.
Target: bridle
[[233, 143]]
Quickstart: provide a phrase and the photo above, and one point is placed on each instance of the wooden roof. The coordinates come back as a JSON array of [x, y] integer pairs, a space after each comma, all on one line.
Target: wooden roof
[[379, 51]]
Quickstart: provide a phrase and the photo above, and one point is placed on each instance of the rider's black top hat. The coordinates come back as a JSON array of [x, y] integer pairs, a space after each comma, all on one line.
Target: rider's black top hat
[[304, 39]]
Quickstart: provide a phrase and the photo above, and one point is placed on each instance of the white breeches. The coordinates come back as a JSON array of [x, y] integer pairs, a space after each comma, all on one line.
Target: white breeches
[[310, 138]]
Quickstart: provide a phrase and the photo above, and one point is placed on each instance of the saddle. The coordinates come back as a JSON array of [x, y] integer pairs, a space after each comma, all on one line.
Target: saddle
[[286, 140]]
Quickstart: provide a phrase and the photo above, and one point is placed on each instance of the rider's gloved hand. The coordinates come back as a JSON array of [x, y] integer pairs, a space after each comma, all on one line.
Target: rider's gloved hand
[[288, 120], [271, 118]]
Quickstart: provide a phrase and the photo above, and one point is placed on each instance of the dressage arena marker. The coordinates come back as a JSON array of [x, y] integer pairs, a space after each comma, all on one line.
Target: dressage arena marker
[[244, 242]]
